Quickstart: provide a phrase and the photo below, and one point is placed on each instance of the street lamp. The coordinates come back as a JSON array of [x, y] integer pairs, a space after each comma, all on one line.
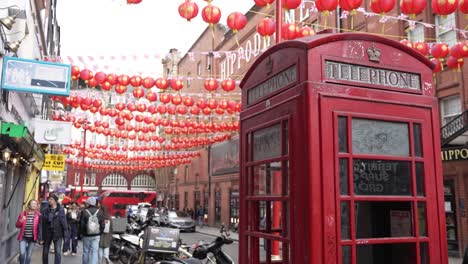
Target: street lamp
[[6, 154], [9, 21], [84, 125]]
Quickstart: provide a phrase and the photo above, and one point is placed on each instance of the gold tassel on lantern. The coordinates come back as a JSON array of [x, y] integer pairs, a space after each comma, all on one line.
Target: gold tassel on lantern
[[325, 16]]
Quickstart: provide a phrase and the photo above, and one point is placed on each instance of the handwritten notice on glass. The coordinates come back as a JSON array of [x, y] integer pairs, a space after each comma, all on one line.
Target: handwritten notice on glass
[[400, 223], [380, 137], [267, 143], [382, 177]]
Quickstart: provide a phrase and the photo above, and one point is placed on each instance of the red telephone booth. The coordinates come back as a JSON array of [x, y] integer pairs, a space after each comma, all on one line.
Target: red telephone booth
[[340, 155]]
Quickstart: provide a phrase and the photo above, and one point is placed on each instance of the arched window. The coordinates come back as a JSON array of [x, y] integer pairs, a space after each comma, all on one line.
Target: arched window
[[142, 182], [116, 181]]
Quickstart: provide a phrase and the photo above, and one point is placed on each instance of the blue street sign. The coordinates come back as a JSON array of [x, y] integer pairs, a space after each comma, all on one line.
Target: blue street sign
[[24, 75]]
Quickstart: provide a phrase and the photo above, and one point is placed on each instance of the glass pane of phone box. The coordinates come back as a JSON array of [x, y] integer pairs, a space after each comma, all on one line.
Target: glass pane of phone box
[[161, 239]]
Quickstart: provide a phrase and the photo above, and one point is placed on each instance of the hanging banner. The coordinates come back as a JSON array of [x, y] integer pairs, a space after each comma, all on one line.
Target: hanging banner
[[52, 132], [23, 75], [54, 162], [224, 158]]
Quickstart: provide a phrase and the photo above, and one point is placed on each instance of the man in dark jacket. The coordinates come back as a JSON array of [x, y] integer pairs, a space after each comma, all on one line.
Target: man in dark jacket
[[53, 224], [89, 232]]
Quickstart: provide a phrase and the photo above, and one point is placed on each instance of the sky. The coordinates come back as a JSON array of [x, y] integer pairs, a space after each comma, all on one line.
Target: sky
[[105, 28]]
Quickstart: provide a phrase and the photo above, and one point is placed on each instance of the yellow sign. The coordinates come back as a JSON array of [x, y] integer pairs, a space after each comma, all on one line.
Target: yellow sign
[[454, 154], [54, 162]]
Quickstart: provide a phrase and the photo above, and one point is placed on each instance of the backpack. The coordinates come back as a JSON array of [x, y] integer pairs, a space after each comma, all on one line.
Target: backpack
[[93, 227]]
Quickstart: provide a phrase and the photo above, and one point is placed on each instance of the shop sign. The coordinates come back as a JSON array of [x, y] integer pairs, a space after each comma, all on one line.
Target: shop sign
[[342, 71], [52, 132], [454, 154], [272, 85], [400, 223], [24, 75], [13, 130], [54, 162]]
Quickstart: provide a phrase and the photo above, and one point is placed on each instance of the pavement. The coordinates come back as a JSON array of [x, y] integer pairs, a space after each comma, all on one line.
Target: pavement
[[214, 232]]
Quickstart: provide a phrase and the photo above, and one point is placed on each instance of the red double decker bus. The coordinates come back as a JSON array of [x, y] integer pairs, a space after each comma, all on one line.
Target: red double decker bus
[[117, 201]]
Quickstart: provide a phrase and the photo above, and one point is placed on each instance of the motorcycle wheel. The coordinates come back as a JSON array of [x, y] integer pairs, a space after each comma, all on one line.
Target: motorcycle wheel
[[140, 258]]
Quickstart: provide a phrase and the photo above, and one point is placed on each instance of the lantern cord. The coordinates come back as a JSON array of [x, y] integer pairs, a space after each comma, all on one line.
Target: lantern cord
[[237, 40], [212, 31]]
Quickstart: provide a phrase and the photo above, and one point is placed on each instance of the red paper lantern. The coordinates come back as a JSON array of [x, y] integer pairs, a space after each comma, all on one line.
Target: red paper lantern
[[112, 78], [211, 14], [165, 98], [131, 107], [206, 111], [75, 71], [188, 10], [382, 6], [92, 83], [120, 89], [437, 64], [455, 63], [162, 109], [188, 101], [289, 31], [135, 81], [176, 99], [412, 7], [138, 92], [182, 109], [463, 6], [152, 109], [266, 27], [86, 74], [444, 7], [177, 84], [151, 96], [162, 83], [263, 2], [236, 21], [291, 4], [141, 108], [326, 6], [148, 82], [194, 110], [439, 50], [350, 5], [100, 77], [211, 84], [306, 31], [458, 50], [421, 47], [201, 103], [123, 80], [120, 106], [407, 43], [106, 86], [212, 103], [228, 85]]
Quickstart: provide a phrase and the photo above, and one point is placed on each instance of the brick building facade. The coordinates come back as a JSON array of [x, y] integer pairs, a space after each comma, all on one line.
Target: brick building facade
[[196, 184]]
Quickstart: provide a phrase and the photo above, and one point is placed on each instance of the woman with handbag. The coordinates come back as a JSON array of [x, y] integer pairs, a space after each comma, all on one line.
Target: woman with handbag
[[28, 223], [106, 237]]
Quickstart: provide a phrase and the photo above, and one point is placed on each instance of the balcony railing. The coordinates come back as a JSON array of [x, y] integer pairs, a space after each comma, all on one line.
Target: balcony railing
[[454, 128]]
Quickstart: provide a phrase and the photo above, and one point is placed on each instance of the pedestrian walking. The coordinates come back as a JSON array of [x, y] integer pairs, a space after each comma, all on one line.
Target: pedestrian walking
[[200, 214], [54, 228], [106, 237], [73, 220], [91, 225], [28, 223]]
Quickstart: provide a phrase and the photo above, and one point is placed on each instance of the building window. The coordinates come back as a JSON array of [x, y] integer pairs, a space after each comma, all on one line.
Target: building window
[[93, 179], [86, 179], [185, 200], [234, 207], [114, 180], [189, 79], [444, 29], [186, 174], [450, 108], [197, 200], [143, 181], [176, 201], [417, 34], [218, 206], [206, 200], [77, 178], [209, 61], [199, 68]]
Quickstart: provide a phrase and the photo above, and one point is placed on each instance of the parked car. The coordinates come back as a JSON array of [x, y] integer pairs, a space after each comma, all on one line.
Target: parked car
[[180, 220]]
